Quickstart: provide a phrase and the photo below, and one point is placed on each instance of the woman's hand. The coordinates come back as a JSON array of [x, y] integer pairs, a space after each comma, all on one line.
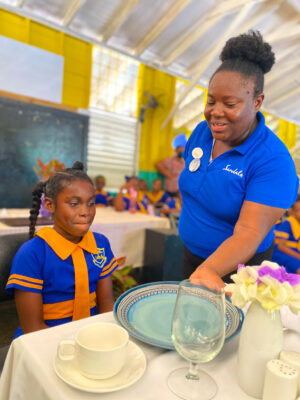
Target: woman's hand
[[208, 274]]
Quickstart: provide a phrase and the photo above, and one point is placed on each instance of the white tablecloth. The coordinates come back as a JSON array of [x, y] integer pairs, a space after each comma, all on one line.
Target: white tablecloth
[[28, 372], [125, 231]]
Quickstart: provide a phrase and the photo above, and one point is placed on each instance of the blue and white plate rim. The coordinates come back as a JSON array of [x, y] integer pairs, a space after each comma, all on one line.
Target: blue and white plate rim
[[152, 341]]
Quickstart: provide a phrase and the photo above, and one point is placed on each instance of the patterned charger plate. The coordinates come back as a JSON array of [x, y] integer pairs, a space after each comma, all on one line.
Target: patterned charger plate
[[146, 312]]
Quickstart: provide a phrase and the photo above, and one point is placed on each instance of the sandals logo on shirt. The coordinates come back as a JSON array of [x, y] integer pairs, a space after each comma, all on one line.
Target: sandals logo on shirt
[[233, 171], [100, 258]]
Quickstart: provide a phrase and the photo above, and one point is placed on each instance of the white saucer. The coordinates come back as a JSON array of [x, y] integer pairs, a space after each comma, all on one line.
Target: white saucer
[[133, 369]]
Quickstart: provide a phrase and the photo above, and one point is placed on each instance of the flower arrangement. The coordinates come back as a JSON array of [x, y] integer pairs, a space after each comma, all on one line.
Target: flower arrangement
[[268, 283], [44, 171]]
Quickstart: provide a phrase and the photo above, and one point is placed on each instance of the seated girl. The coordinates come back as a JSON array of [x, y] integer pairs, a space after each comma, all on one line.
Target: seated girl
[[287, 240], [130, 198], [157, 196], [62, 273], [103, 198], [173, 205]]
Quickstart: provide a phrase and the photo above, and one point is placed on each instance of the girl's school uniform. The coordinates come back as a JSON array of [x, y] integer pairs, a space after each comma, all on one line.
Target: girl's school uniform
[[141, 204], [159, 198], [288, 230], [173, 204], [102, 198], [64, 273]]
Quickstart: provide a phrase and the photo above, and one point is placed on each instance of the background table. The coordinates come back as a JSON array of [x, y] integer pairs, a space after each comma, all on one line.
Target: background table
[[125, 231], [28, 373]]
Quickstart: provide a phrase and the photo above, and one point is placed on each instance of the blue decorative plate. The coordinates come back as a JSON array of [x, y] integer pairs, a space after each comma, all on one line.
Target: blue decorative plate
[[146, 312]]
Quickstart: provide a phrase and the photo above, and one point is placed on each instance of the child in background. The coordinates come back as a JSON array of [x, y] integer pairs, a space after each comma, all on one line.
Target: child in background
[[172, 205], [103, 198], [130, 198], [287, 240], [157, 196], [62, 273], [143, 187]]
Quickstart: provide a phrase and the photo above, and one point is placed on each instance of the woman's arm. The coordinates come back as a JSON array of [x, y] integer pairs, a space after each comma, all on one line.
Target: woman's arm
[[104, 294], [254, 222], [30, 310], [119, 203]]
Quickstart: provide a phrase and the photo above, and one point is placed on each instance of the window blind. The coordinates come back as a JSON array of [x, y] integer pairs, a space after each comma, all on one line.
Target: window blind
[[112, 146]]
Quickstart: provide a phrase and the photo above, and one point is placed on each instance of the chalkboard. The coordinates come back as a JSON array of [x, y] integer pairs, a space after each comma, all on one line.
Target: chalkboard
[[27, 132]]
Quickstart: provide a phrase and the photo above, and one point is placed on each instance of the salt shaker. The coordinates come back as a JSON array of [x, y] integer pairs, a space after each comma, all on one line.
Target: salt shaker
[[281, 381], [293, 359]]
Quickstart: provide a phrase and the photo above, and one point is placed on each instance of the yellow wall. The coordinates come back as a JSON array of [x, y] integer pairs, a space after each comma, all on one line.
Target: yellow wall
[[155, 144], [287, 133], [77, 54]]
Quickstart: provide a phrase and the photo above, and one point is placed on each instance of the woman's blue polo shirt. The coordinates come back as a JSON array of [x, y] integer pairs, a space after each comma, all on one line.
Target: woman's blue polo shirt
[[260, 170]]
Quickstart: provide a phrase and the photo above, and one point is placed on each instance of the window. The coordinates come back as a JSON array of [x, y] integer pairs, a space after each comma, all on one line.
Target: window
[[113, 128], [114, 82], [112, 143]]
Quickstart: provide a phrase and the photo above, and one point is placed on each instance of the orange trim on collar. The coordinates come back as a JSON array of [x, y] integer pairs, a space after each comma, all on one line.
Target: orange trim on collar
[[63, 247], [295, 226]]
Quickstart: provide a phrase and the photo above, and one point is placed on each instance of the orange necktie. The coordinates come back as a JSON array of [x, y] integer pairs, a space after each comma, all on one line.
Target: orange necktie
[[64, 248], [82, 290]]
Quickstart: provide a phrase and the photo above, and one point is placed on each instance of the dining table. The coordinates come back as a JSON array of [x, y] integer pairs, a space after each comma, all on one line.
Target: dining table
[[125, 230], [29, 373]]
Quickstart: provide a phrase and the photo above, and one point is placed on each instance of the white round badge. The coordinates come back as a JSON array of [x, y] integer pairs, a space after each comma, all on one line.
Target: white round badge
[[197, 152], [194, 165]]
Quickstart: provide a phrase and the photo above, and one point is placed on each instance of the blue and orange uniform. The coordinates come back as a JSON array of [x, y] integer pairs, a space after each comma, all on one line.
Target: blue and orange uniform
[[158, 198], [141, 202], [172, 204], [102, 198], [289, 231], [46, 265]]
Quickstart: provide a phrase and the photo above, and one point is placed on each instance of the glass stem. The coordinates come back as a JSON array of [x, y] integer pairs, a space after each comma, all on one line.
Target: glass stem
[[193, 373]]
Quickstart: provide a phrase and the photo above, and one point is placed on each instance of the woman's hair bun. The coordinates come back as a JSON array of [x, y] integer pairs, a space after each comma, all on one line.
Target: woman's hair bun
[[78, 165], [251, 47]]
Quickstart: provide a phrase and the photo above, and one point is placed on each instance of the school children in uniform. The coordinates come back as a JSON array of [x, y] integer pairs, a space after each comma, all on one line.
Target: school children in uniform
[[157, 196], [129, 198], [62, 273], [287, 240]]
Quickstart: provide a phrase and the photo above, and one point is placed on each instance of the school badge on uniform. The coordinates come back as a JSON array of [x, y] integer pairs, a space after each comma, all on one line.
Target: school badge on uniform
[[100, 258]]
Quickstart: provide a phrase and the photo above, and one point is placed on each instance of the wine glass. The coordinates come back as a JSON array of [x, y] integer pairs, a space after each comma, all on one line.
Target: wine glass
[[198, 333]]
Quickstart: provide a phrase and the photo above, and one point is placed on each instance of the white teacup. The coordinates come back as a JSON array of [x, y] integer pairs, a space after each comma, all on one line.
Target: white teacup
[[100, 349]]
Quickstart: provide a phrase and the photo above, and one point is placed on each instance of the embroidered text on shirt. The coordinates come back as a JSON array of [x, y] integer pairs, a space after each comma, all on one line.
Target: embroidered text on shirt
[[233, 171]]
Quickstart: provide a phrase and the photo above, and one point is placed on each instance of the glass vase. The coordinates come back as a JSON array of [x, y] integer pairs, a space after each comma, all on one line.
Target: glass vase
[[261, 340]]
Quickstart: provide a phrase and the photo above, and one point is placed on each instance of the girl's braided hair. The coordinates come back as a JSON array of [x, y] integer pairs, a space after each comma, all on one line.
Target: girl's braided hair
[[54, 185], [249, 55]]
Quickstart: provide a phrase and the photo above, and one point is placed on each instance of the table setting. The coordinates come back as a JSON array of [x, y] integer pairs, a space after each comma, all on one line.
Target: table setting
[[163, 340]]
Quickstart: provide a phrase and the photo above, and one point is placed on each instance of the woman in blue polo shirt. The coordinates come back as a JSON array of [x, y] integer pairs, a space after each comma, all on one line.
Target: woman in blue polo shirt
[[239, 178]]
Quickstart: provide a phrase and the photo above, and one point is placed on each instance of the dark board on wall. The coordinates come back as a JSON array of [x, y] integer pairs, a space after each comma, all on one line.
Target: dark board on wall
[[27, 132]]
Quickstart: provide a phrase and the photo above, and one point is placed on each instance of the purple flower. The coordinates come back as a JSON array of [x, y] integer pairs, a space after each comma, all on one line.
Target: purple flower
[[279, 274], [241, 266]]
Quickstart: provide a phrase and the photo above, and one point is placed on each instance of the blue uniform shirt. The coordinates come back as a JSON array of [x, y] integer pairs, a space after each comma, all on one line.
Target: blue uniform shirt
[[260, 170], [289, 231], [102, 198], [37, 268], [140, 204]]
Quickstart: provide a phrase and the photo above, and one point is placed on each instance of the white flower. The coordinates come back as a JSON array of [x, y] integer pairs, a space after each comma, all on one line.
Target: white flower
[[267, 283]]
